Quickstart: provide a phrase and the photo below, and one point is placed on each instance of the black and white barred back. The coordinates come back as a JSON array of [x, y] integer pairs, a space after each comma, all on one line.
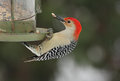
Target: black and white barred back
[[56, 52]]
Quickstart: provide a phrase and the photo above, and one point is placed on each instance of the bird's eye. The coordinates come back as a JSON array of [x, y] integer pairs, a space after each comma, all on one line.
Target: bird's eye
[[69, 22]]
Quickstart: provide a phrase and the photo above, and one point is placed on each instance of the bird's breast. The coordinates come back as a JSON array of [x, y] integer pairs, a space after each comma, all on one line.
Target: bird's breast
[[55, 41]]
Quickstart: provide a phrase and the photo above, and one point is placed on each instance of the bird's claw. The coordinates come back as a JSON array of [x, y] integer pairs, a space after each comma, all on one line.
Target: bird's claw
[[50, 33], [31, 59]]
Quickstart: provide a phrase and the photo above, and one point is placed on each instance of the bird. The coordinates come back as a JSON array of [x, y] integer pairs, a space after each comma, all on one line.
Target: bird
[[58, 44]]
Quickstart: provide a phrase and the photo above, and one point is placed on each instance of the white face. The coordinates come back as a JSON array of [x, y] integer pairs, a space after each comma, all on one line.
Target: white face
[[70, 28], [69, 25]]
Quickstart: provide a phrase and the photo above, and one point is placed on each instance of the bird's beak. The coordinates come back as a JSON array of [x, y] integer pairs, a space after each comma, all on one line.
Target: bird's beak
[[58, 17]]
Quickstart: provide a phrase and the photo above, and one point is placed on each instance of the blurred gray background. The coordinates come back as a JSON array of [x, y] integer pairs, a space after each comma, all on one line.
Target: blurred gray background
[[96, 57]]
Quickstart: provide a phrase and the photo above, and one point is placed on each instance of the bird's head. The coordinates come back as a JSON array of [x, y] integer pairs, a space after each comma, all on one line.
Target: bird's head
[[71, 24]]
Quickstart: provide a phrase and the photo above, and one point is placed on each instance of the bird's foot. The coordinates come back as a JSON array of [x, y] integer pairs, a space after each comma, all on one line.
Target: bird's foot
[[31, 59], [49, 34]]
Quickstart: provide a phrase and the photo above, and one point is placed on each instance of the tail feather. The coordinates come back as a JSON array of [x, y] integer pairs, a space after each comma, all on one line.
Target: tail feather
[[25, 43]]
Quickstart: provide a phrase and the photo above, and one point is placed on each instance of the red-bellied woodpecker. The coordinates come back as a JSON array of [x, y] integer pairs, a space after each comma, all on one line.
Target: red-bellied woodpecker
[[60, 44]]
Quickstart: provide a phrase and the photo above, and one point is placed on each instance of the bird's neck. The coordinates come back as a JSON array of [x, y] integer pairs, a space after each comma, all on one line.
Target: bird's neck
[[69, 34]]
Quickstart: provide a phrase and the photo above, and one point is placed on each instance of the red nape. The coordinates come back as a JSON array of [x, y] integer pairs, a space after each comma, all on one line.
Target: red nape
[[78, 27]]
